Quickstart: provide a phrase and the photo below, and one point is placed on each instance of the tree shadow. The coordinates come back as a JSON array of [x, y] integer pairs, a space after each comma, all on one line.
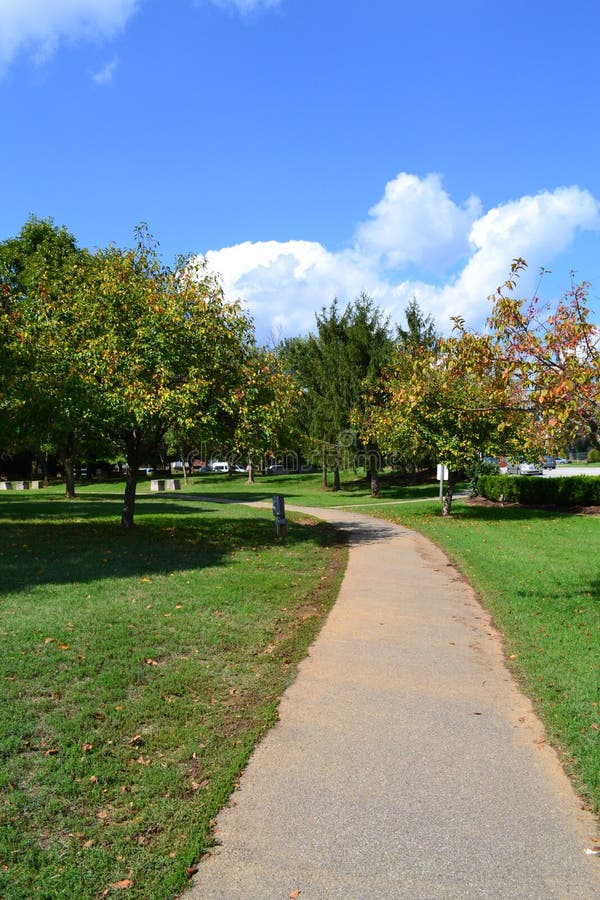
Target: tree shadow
[[81, 541]]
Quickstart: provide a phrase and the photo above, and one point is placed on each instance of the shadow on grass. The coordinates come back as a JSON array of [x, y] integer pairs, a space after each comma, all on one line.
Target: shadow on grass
[[79, 541]]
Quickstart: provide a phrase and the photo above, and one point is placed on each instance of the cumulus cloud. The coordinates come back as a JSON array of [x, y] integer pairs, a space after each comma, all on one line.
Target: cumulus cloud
[[416, 222], [40, 26], [416, 226]]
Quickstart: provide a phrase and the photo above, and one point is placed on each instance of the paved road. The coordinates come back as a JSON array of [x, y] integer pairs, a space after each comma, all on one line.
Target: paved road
[[572, 469], [405, 764]]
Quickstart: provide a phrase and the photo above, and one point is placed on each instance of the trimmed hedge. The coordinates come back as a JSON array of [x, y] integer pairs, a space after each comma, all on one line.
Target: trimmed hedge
[[566, 492]]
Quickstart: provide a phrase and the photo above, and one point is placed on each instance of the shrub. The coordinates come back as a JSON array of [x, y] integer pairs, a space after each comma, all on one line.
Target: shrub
[[577, 490], [593, 455]]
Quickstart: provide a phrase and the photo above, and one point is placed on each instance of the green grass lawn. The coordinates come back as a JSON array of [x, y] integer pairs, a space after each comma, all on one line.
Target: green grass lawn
[[141, 667], [302, 490], [138, 670]]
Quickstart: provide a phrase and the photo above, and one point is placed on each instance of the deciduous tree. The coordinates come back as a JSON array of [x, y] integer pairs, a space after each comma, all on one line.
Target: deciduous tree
[[553, 355], [164, 350]]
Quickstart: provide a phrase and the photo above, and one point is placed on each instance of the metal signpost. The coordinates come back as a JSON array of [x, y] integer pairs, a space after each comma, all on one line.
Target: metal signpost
[[279, 513], [442, 475]]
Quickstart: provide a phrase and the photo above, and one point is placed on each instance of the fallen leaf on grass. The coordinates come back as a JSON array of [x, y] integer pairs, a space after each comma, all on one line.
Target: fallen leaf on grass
[[52, 752], [122, 885], [87, 747], [151, 662], [191, 870], [136, 740]]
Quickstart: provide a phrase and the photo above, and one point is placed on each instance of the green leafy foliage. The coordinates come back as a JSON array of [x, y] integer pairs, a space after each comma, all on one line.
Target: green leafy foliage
[[330, 367]]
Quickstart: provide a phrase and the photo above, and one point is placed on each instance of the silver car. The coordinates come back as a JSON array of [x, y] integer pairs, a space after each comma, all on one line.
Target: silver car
[[529, 468]]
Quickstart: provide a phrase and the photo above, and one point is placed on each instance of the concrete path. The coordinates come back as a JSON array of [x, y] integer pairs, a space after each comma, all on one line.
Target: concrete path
[[406, 764]]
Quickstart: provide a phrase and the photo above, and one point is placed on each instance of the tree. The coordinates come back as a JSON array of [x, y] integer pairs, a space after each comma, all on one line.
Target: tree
[[330, 367], [419, 334], [266, 403], [452, 399], [45, 399], [553, 356], [420, 330], [163, 350]]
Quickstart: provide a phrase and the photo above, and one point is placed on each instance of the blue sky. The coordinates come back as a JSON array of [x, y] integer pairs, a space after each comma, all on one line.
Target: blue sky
[[313, 148]]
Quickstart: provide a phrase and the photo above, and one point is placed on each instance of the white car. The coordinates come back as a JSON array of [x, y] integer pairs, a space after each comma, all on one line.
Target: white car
[[528, 468]]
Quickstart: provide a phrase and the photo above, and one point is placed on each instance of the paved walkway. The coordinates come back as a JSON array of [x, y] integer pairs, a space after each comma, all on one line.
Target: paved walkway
[[405, 764]]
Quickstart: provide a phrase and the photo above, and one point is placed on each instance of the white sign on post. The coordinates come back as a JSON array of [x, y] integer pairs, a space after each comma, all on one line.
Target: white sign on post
[[442, 475]]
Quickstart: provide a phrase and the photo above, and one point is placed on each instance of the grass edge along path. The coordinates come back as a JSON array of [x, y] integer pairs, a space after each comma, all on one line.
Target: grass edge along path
[[139, 672], [536, 573]]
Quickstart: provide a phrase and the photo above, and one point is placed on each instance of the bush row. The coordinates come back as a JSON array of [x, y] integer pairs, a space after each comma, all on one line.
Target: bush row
[[575, 490]]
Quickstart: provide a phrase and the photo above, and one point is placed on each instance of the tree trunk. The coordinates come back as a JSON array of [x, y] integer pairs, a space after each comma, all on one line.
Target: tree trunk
[[336, 476], [67, 463], [374, 482], [133, 462], [449, 493], [127, 516], [324, 481], [250, 469]]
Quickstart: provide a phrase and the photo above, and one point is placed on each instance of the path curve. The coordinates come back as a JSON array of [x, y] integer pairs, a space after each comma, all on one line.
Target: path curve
[[405, 763]]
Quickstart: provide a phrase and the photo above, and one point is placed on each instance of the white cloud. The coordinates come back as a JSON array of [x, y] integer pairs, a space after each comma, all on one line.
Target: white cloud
[[105, 74], [40, 26], [283, 284], [417, 222]]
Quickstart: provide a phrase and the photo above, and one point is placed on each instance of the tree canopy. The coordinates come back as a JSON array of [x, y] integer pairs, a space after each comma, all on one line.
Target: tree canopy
[[330, 367]]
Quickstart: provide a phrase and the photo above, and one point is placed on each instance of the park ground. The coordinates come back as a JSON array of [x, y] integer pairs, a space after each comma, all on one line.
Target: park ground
[[141, 668]]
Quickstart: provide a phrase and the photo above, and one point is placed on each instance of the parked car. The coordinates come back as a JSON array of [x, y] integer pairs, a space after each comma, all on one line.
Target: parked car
[[529, 468], [146, 470], [222, 467], [276, 470], [548, 462]]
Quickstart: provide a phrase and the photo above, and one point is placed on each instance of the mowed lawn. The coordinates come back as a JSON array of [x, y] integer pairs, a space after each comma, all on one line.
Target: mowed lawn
[[138, 670]]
